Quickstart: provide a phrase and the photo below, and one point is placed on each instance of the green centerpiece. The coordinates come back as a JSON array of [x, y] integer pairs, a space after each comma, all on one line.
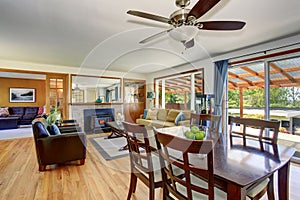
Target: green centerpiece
[[195, 133]]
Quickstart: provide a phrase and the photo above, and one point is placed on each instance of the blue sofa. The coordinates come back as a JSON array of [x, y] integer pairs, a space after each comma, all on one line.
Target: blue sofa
[[25, 115], [20, 115]]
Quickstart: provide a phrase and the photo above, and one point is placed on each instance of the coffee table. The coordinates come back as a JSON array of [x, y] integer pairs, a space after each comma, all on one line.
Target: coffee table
[[117, 130]]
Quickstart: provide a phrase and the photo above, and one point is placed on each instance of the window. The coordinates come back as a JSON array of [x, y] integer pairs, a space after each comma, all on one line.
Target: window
[[178, 91]]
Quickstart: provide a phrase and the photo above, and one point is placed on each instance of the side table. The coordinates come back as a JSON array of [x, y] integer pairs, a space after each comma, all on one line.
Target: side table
[[69, 126]]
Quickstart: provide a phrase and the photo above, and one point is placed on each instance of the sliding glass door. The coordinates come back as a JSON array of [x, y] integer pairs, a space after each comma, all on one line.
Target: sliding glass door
[[269, 89]]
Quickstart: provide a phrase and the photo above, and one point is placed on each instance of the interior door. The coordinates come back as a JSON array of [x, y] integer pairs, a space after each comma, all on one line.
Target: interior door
[[57, 93]]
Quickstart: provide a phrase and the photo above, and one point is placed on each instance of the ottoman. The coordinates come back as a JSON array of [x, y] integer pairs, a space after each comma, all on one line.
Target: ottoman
[[8, 122]]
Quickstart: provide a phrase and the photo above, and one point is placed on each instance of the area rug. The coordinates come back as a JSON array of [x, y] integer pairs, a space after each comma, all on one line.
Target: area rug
[[21, 132], [110, 148]]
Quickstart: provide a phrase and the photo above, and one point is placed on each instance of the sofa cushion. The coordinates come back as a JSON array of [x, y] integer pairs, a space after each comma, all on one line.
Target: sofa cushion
[[187, 114], [155, 123], [17, 111], [31, 110], [143, 122], [184, 123], [172, 115], [18, 116], [29, 117], [152, 114], [162, 114], [4, 112]]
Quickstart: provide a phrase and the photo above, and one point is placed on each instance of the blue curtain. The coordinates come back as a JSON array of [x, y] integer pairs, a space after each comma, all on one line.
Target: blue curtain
[[221, 70]]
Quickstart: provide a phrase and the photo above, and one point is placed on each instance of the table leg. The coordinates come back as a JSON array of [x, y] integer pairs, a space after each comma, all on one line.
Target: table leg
[[283, 181], [124, 148], [234, 192], [114, 134]]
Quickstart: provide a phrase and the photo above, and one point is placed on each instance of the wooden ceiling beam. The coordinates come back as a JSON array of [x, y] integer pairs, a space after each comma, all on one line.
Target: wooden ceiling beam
[[252, 72], [274, 66], [241, 78]]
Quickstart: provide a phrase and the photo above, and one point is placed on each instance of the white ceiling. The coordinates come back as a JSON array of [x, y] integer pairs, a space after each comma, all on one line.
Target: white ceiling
[[99, 34]]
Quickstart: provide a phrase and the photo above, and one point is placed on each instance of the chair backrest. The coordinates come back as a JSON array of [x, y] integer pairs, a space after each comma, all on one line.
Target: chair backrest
[[186, 150], [263, 130], [140, 150], [214, 120]]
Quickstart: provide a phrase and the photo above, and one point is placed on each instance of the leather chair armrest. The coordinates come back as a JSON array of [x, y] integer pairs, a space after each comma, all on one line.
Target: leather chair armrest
[[62, 148]]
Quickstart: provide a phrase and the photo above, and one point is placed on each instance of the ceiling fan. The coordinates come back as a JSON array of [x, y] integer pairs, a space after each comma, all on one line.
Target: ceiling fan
[[185, 22]]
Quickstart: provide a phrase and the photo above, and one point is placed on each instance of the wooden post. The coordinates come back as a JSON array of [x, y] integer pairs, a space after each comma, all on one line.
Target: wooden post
[[185, 105], [241, 103]]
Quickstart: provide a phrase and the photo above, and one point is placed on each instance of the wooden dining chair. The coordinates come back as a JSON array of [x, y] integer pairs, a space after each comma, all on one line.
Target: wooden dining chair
[[263, 131], [144, 164], [189, 186], [214, 121]]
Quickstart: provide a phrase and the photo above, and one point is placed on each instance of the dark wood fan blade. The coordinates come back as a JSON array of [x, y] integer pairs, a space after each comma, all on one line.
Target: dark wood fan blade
[[148, 16], [154, 36], [222, 25], [202, 7]]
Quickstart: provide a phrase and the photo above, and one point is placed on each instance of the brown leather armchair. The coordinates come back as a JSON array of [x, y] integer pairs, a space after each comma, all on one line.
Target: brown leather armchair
[[58, 149]]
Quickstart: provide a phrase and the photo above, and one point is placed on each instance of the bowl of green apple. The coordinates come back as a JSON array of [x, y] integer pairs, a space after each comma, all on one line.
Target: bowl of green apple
[[195, 133]]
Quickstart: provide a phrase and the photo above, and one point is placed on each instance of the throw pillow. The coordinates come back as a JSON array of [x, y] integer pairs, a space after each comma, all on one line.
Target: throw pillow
[[41, 110], [180, 117], [55, 130], [152, 114], [42, 131], [4, 112], [172, 115], [145, 114]]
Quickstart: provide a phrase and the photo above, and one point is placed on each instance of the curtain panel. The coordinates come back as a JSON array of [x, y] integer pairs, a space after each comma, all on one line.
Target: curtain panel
[[220, 78]]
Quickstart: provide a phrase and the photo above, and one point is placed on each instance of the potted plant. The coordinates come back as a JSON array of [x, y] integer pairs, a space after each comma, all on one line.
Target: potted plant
[[54, 116]]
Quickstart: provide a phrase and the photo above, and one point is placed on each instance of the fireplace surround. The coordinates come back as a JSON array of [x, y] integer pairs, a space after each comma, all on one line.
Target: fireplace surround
[[94, 120]]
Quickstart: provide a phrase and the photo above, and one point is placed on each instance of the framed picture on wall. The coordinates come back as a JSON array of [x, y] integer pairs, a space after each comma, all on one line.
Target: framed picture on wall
[[21, 95]]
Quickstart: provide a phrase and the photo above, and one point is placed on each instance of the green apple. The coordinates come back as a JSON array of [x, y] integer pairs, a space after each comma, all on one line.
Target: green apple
[[200, 135], [189, 135], [203, 133], [194, 129]]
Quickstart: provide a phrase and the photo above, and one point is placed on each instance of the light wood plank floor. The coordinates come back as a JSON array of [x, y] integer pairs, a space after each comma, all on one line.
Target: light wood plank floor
[[97, 179]]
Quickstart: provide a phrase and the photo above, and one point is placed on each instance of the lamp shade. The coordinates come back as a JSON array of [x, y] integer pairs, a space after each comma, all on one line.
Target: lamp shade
[[151, 95], [183, 33]]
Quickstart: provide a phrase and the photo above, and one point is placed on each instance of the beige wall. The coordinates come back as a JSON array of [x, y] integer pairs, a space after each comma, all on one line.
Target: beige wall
[[39, 85]]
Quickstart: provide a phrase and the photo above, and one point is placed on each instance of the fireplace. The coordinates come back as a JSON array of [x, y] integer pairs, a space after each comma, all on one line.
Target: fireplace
[[99, 122], [95, 119]]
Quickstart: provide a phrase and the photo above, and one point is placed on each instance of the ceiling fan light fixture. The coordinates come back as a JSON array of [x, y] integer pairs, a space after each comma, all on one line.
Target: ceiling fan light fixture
[[183, 33]]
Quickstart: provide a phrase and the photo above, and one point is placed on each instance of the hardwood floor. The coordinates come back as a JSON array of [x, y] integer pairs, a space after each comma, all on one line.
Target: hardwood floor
[[97, 179]]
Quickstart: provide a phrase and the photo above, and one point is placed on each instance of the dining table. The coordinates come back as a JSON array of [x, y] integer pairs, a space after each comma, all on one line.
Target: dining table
[[238, 165]]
